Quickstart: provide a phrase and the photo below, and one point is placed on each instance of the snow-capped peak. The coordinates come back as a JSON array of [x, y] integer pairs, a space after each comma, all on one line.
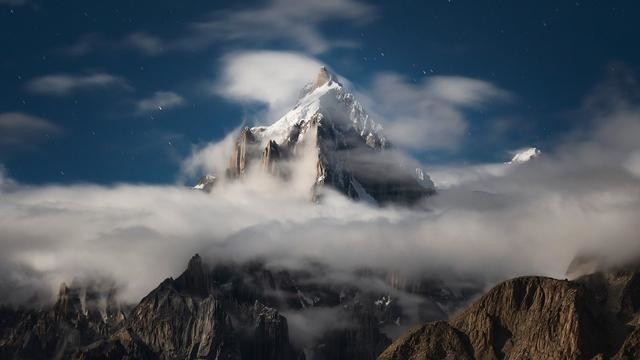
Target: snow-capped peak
[[327, 97], [350, 152], [323, 77], [524, 155]]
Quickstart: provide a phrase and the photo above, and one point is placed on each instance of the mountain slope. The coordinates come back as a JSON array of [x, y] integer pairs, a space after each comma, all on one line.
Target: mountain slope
[[595, 316], [347, 148], [229, 311]]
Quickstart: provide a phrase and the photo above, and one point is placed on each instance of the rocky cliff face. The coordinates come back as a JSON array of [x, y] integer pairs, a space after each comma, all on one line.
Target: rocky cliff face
[[181, 326], [353, 156], [594, 316], [82, 314], [226, 311]]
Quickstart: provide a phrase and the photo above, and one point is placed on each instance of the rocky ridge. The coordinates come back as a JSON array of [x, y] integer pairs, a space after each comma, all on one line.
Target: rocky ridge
[[225, 311], [592, 317]]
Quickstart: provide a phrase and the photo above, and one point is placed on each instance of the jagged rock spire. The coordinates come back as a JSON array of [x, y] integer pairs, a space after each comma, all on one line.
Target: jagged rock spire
[[195, 280], [323, 77]]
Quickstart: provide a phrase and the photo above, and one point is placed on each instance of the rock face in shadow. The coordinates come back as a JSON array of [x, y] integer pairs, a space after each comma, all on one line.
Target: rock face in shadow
[[226, 311], [437, 340], [244, 149], [76, 320], [594, 316], [181, 326], [533, 318]]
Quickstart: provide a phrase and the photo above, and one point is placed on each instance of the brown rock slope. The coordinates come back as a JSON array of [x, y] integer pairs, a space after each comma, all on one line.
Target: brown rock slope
[[595, 316]]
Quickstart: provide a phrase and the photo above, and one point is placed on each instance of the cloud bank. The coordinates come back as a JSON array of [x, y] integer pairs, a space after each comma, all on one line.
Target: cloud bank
[[65, 84], [295, 22], [20, 130], [272, 78], [431, 114], [533, 219], [160, 101]]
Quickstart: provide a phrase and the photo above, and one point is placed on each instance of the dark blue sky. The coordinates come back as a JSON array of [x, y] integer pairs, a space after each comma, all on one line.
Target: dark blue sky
[[113, 55]]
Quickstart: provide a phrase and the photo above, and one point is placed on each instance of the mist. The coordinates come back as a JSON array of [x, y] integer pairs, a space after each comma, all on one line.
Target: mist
[[487, 223]]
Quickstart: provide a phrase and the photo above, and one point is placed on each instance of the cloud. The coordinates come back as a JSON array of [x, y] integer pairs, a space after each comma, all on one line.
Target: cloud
[[309, 325], [146, 43], [5, 182], [160, 101], [91, 42], [14, 2], [632, 163], [273, 78], [294, 21], [83, 46], [431, 114], [531, 220], [65, 84], [582, 196], [212, 158], [20, 130]]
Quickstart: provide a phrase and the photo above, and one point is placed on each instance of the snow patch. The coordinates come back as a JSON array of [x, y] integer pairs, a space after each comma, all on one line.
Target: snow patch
[[524, 155]]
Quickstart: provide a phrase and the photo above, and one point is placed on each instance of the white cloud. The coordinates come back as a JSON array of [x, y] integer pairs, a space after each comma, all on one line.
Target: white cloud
[[23, 130], [160, 101], [212, 158], [463, 91], [431, 114], [426, 116], [632, 163], [530, 220], [295, 21], [65, 84], [274, 78], [450, 176]]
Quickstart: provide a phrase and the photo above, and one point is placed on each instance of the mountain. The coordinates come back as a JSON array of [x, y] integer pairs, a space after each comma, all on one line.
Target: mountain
[[205, 183], [230, 311], [253, 311], [596, 316], [523, 155], [348, 151]]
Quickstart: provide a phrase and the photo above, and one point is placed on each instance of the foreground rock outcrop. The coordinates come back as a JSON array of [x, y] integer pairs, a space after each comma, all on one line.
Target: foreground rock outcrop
[[593, 316], [225, 311]]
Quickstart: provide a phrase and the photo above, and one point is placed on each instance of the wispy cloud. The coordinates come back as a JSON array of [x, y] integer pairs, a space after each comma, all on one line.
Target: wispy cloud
[[65, 84], [273, 78], [292, 20], [83, 46], [533, 219], [146, 43], [160, 101], [430, 114], [20, 130], [295, 21], [424, 116]]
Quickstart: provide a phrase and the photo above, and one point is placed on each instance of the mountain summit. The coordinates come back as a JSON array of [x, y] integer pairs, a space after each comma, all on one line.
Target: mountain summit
[[348, 150]]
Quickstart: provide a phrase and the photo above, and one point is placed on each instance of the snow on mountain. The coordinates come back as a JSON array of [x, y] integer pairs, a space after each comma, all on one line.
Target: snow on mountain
[[451, 176], [205, 183], [326, 95], [524, 155], [348, 150]]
